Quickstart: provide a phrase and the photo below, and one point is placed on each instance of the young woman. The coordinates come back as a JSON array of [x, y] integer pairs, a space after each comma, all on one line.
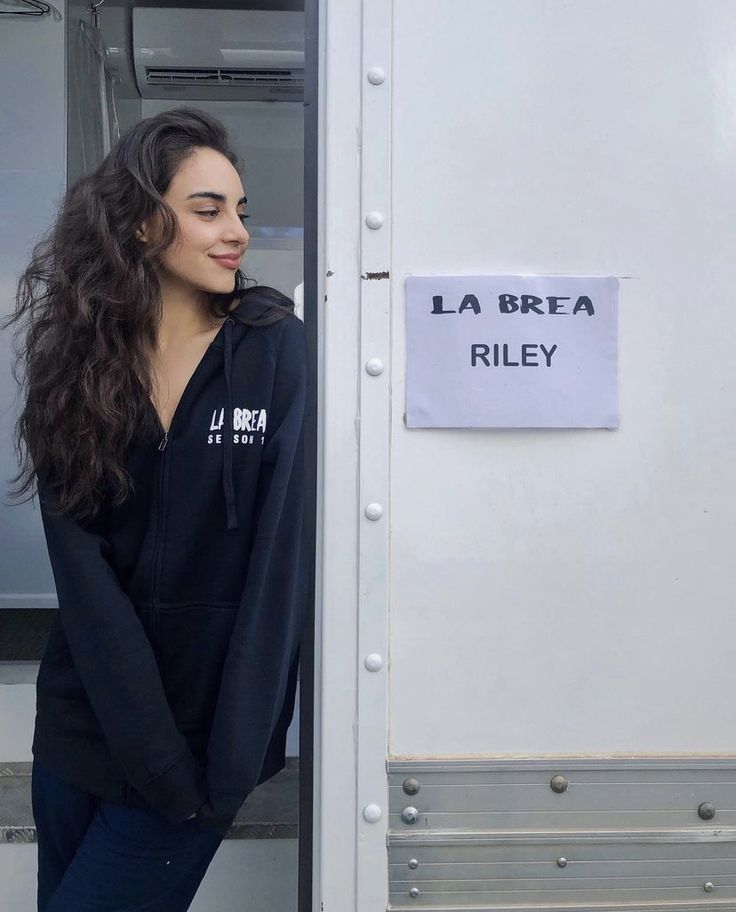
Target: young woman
[[162, 427]]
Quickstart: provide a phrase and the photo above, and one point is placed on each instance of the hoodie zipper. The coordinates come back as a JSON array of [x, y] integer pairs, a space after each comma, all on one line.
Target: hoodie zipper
[[159, 536], [162, 471]]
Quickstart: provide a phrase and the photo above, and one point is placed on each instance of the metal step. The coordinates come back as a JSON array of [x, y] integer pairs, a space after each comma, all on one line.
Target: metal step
[[271, 811]]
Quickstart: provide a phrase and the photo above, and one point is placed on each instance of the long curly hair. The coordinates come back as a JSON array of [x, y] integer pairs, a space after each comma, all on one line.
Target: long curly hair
[[89, 305]]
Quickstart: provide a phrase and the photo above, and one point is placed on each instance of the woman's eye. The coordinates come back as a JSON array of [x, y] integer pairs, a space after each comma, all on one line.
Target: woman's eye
[[216, 211]]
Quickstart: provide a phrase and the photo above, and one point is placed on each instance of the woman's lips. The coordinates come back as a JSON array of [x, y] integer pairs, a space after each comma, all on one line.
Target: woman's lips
[[227, 262]]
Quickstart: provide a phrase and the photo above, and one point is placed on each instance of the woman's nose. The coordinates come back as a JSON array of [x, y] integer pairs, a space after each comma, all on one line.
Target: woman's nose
[[237, 231]]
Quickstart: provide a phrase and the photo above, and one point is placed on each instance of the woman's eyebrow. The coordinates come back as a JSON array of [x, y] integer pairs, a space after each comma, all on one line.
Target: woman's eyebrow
[[210, 194]]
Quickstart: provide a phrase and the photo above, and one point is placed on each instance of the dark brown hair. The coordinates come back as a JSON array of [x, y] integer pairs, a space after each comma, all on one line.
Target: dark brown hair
[[90, 304]]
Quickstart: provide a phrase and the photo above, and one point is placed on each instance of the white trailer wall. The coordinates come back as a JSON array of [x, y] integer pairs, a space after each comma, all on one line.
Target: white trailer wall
[[570, 590], [507, 594]]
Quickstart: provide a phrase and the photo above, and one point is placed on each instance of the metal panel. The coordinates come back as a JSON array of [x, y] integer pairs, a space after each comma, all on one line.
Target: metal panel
[[494, 834], [568, 591], [337, 628]]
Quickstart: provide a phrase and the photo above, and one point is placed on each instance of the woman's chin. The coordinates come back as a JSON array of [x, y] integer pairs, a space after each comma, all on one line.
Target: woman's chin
[[223, 287]]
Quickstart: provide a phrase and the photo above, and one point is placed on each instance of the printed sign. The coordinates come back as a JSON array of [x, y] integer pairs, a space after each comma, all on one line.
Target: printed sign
[[511, 351]]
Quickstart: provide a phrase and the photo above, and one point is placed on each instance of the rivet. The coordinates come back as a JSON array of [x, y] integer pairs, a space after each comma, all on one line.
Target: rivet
[[708, 887], [374, 219], [413, 863], [561, 862], [411, 785], [374, 366], [707, 810], [374, 511], [558, 784], [372, 813], [410, 815], [376, 75], [373, 662], [414, 892]]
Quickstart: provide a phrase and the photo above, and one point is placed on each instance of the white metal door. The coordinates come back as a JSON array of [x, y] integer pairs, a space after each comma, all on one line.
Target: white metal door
[[527, 593]]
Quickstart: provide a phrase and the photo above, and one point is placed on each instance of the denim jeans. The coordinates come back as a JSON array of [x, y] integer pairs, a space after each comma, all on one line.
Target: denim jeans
[[98, 856]]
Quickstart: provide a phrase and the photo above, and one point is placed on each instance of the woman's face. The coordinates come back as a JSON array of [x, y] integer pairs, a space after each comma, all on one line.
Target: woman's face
[[209, 227]]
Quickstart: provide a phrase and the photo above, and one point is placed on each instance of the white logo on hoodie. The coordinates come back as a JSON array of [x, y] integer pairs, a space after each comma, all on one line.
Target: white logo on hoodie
[[249, 426]]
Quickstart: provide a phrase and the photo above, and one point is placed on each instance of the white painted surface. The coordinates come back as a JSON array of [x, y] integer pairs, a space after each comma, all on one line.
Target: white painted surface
[[334, 869], [17, 716], [570, 590]]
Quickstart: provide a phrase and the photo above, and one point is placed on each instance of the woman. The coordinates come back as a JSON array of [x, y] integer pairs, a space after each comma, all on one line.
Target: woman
[[163, 427]]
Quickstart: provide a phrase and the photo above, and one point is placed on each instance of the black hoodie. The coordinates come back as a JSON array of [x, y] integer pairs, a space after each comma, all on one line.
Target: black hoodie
[[169, 676]]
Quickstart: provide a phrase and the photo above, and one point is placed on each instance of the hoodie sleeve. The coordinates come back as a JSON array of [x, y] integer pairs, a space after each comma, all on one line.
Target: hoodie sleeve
[[117, 667], [268, 624]]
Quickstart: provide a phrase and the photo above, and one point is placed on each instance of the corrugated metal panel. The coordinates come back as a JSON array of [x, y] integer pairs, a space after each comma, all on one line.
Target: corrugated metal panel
[[495, 835]]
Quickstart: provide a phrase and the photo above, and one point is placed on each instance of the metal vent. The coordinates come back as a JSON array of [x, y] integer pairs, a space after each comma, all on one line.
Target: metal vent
[[222, 76]]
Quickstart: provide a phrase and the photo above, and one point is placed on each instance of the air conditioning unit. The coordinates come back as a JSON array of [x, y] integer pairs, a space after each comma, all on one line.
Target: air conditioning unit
[[219, 55]]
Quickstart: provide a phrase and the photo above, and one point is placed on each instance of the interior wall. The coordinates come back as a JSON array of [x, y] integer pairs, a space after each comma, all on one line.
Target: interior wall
[[32, 184]]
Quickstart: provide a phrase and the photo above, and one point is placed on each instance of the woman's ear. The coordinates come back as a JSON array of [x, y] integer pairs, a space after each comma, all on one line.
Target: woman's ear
[[142, 233]]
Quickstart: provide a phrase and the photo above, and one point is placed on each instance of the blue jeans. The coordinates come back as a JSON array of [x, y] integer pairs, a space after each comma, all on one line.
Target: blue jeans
[[97, 856]]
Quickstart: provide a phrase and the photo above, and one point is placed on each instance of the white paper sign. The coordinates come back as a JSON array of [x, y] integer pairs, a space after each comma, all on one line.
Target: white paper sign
[[511, 351]]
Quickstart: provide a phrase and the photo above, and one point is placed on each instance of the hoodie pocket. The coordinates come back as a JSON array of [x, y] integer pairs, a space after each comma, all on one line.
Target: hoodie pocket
[[192, 645]]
